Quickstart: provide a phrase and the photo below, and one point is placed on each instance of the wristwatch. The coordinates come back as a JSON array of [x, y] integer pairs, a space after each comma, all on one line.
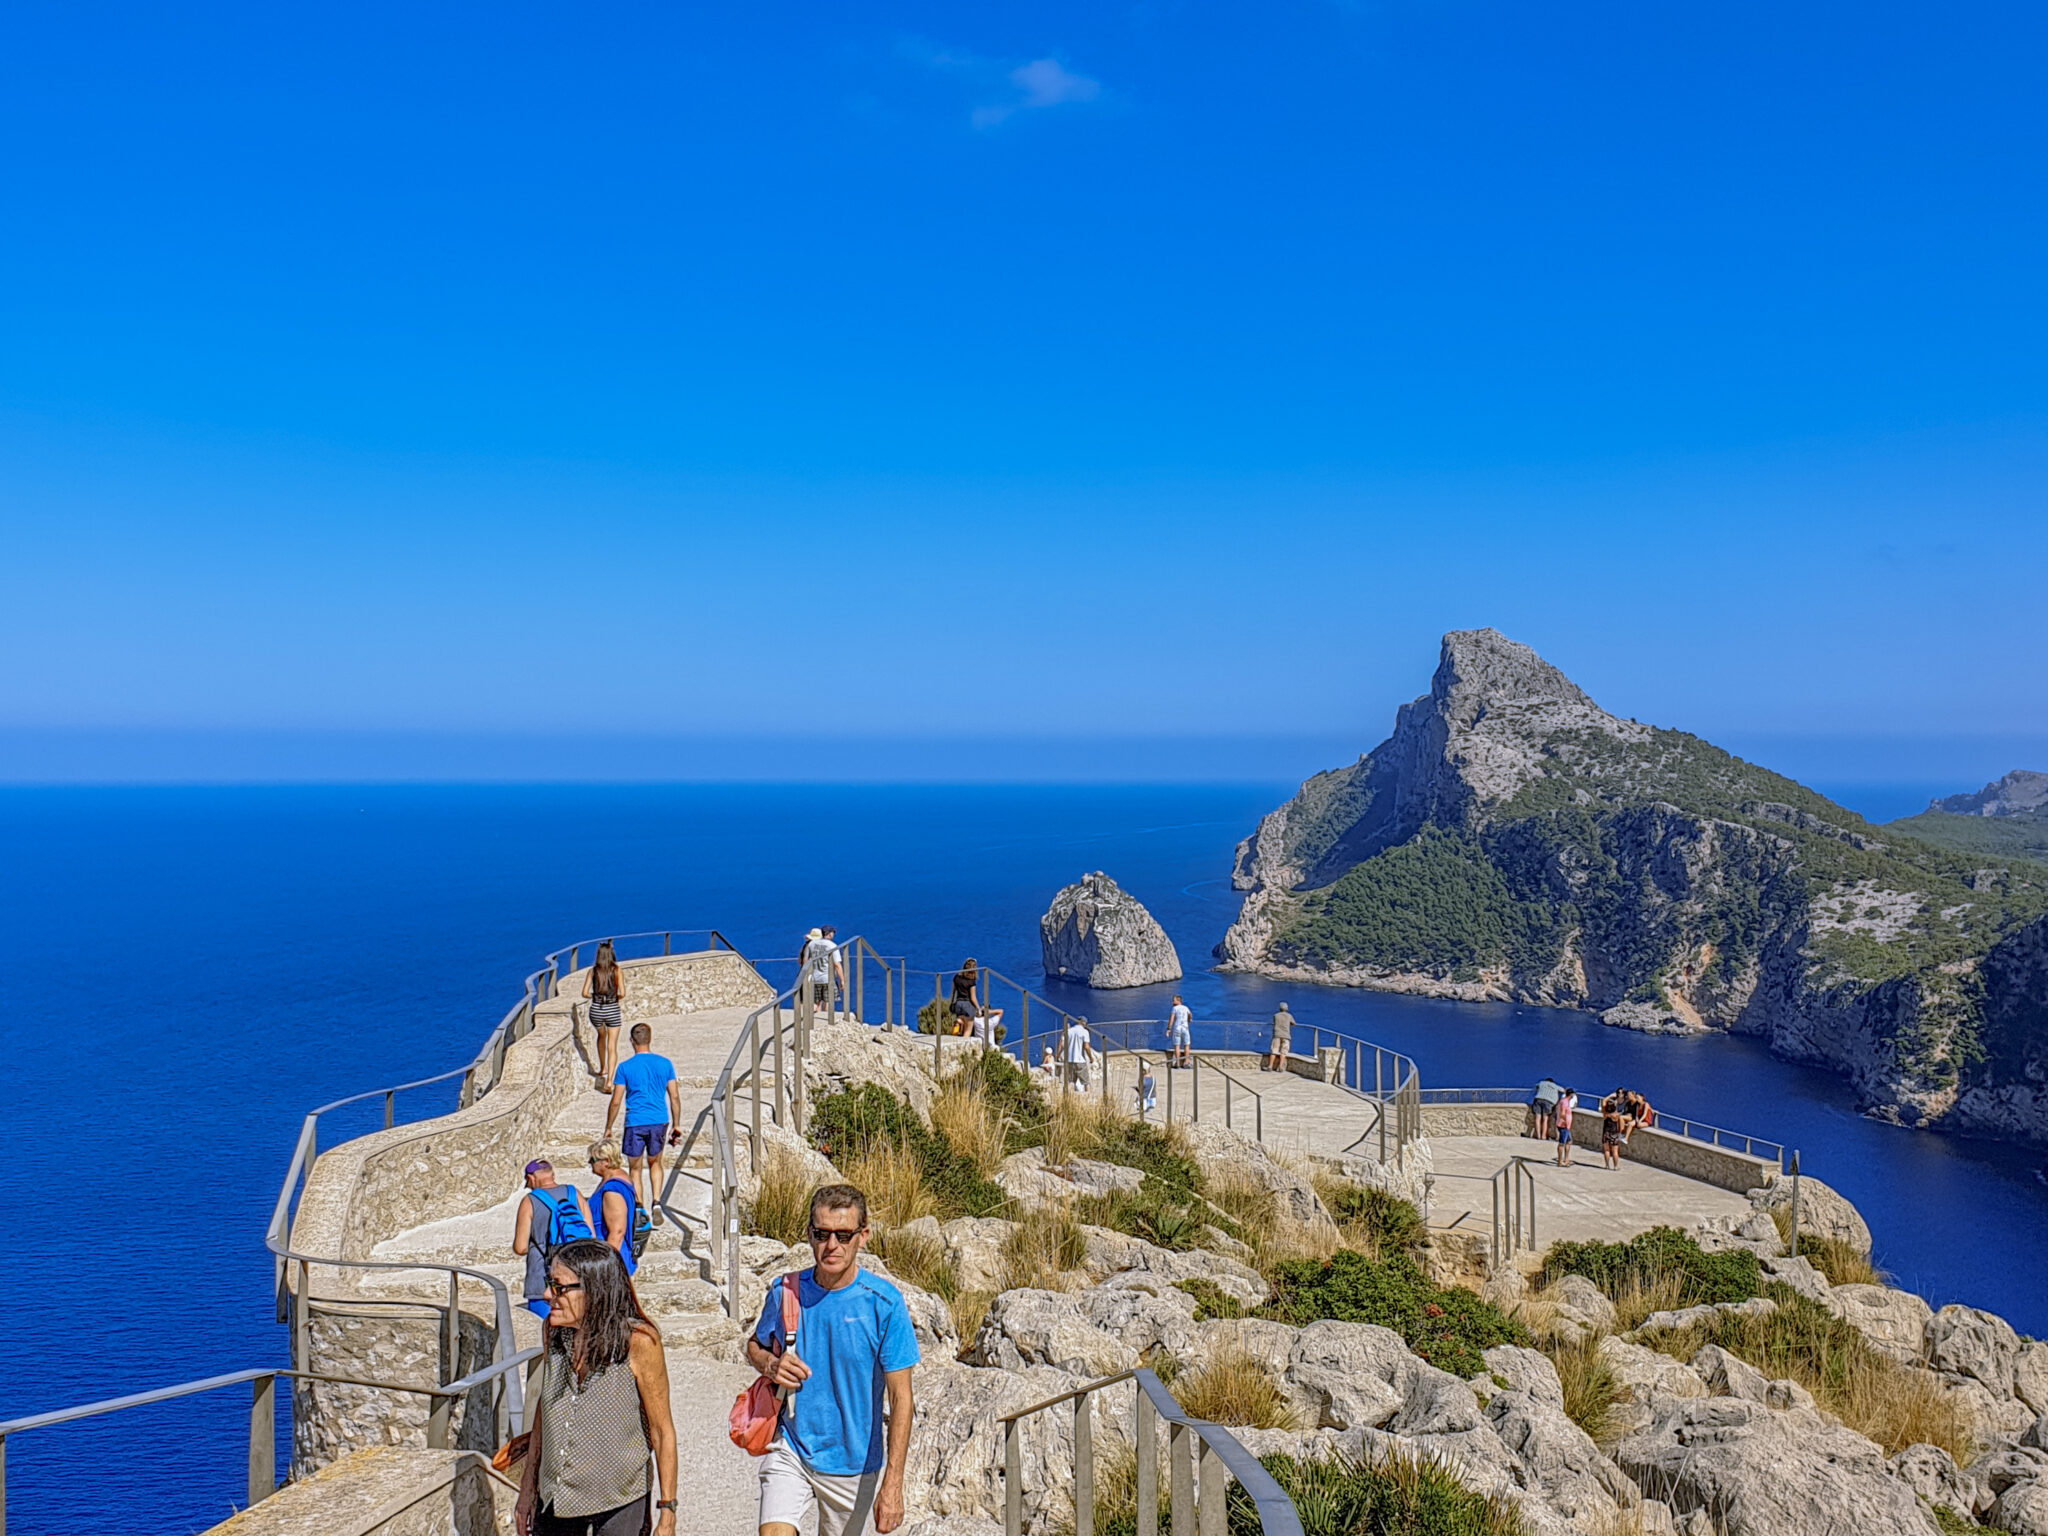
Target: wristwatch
[[664, 1503]]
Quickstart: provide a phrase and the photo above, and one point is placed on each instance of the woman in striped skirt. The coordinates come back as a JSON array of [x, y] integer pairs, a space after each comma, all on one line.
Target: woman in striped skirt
[[605, 986]]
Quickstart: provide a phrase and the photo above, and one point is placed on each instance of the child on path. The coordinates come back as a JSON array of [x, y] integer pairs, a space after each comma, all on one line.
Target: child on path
[[1567, 1102]]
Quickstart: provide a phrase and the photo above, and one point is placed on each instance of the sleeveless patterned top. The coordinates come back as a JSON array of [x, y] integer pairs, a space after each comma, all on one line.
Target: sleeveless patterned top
[[593, 1439]]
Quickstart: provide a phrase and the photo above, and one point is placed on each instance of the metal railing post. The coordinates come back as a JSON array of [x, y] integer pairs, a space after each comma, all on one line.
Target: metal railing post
[[3, 1485], [1196, 1074], [1226, 1101], [1212, 1507], [451, 1330], [1169, 1101], [754, 1080], [1180, 1453], [262, 1438], [1146, 1439], [1795, 1204], [302, 1319], [1013, 1481], [1379, 1093], [781, 1082], [389, 1107], [1084, 1465], [437, 1423], [938, 1028], [665, 943]]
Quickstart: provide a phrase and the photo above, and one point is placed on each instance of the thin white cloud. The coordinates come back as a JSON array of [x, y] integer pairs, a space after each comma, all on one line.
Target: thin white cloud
[[1028, 87]]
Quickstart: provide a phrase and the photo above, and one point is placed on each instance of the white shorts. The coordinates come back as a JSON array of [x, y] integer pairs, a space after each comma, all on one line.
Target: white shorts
[[1181, 1036], [788, 1488]]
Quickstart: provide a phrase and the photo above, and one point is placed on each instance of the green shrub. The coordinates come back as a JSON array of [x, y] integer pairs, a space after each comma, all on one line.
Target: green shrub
[[1662, 1256], [1386, 1221], [848, 1123], [1155, 1151], [1448, 1328], [1394, 1496], [1153, 1211], [1211, 1300], [1009, 1088]]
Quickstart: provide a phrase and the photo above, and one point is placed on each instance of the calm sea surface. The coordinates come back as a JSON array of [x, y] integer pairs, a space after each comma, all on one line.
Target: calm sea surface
[[198, 967]]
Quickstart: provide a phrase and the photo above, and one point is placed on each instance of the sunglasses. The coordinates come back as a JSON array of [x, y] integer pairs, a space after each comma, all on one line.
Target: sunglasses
[[825, 1236], [555, 1287]]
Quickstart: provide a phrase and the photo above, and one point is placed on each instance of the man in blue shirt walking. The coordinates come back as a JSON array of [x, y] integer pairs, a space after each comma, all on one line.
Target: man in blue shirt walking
[[854, 1348], [644, 1086]]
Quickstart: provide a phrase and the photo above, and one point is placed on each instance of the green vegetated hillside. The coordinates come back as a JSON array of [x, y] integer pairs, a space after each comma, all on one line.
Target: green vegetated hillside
[[1512, 838], [1978, 837], [1599, 846]]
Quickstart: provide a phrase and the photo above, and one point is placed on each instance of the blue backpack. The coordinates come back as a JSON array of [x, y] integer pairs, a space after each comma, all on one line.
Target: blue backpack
[[564, 1219]]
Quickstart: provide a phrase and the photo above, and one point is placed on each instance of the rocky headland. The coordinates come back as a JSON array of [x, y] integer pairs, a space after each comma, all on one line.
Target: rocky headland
[[1097, 933], [1511, 840]]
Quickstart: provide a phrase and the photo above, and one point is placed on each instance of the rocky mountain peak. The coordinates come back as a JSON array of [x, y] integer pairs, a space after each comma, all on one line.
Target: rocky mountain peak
[[1482, 670], [2023, 792]]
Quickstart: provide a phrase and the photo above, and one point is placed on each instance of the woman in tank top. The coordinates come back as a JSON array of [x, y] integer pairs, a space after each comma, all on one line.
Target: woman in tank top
[[601, 1409], [605, 986]]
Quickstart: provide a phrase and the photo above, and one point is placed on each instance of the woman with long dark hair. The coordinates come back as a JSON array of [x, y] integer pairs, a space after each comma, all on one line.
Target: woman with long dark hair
[[605, 986], [602, 1406]]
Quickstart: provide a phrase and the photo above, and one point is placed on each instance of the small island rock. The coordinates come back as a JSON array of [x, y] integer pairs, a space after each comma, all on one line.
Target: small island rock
[[1095, 933]]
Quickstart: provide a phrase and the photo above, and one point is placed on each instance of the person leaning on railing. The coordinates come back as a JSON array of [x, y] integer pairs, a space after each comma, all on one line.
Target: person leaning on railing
[[603, 1408]]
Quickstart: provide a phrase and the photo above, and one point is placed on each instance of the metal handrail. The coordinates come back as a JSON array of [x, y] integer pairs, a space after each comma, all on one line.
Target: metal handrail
[[1699, 1130], [1475, 1096], [263, 1411], [1218, 1449]]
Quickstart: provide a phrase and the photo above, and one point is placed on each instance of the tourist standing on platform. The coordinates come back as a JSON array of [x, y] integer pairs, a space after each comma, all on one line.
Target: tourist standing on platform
[[966, 1005], [1180, 1024], [606, 989], [1543, 1104], [854, 1348], [614, 1207], [644, 1087], [1079, 1053], [1567, 1103], [1613, 1126], [821, 968], [603, 1409], [1282, 1041], [549, 1216]]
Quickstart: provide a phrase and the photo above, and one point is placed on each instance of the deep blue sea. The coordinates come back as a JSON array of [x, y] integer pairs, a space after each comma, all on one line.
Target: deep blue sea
[[197, 967]]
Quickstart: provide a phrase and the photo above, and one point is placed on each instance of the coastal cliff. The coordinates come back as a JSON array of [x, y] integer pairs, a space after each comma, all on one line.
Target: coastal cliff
[[1511, 840]]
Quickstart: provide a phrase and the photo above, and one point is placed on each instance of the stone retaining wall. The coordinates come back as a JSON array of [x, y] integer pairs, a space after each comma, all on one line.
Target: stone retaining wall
[[1475, 1119], [385, 1491], [705, 978], [1722, 1167]]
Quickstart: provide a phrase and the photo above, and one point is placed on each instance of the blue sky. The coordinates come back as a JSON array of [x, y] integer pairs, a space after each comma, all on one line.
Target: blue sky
[[1155, 371]]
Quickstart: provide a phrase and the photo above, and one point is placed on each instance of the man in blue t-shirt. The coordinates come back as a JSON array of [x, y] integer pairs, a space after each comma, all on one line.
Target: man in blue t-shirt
[[854, 1347], [644, 1086]]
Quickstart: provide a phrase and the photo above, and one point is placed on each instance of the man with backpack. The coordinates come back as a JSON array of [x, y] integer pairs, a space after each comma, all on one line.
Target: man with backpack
[[619, 1218], [853, 1347], [644, 1086], [551, 1215]]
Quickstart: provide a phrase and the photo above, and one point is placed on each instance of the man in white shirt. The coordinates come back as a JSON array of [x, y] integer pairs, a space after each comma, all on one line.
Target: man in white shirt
[[1080, 1051], [1181, 1024]]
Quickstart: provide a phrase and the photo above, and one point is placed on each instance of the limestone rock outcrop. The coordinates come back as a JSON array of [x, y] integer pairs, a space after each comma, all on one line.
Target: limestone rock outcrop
[[1097, 933], [1575, 858]]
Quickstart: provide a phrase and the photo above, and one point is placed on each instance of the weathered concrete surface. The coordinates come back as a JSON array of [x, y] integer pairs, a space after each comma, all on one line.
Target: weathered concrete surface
[[1727, 1168], [386, 1491]]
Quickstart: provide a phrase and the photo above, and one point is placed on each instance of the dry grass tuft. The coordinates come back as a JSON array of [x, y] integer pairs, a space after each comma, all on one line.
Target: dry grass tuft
[[1637, 1298], [1234, 1389], [1895, 1405], [1842, 1264], [1590, 1389], [968, 1309], [974, 1128], [1043, 1246], [919, 1259], [782, 1203], [893, 1179]]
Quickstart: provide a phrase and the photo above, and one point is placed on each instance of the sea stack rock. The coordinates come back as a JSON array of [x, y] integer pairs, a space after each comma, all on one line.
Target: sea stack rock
[[1095, 933]]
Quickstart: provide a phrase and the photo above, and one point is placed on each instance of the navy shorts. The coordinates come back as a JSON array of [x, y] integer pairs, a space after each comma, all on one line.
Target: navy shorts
[[644, 1140], [1564, 1135]]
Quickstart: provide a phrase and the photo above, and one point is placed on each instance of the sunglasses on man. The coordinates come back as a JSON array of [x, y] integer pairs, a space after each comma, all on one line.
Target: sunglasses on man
[[825, 1236]]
